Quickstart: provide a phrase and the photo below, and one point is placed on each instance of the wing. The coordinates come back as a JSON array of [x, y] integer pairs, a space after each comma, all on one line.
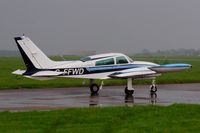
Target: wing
[[149, 72], [135, 73]]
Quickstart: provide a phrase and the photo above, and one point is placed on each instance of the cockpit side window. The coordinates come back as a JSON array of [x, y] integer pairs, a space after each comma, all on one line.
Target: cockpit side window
[[121, 60], [109, 61]]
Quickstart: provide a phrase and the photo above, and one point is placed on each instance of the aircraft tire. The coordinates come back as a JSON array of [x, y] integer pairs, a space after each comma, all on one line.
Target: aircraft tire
[[94, 88], [128, 92], [153, 89]]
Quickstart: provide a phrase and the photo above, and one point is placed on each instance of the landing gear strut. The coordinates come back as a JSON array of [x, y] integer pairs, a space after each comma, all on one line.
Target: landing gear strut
[[129, 90], [153, 87]]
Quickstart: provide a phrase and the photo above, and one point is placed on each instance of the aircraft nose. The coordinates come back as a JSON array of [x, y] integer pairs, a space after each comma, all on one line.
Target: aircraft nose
[[188, 66]]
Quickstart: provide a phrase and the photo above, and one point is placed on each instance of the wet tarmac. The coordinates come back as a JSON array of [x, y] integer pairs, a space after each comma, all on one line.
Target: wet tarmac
[[59, 98]]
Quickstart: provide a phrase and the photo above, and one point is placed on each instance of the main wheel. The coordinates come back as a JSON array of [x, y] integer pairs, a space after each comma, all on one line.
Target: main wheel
[[128, 92], [153, 88], [94, 88]]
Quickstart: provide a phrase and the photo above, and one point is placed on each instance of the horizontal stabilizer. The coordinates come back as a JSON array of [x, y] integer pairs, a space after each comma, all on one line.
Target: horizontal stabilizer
[[46, 74], [19, 72]]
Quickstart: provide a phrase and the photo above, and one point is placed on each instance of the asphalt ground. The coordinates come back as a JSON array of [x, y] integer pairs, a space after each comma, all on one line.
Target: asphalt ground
[[59, 98]]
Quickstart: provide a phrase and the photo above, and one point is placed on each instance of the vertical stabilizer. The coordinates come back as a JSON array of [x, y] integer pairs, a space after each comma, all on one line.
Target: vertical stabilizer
[[33, 57]]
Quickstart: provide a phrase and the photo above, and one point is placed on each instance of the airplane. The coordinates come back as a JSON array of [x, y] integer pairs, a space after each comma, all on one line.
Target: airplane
[[100, 66]]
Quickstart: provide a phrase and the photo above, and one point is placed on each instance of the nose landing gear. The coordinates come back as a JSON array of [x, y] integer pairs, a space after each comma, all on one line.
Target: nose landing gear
[[153, 87]]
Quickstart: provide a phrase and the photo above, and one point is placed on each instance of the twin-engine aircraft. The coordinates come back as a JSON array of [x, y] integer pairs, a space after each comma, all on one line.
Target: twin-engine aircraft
[[101, 66]]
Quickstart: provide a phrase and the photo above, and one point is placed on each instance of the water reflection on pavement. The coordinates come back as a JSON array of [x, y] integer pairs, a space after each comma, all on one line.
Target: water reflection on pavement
[[47, 99]]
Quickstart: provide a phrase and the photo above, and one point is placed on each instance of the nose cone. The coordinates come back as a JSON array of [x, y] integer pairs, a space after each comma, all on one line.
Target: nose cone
[[187, 66]]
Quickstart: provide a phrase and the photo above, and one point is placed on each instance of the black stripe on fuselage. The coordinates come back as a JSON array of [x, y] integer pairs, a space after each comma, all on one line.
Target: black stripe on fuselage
[[91, 70], [101, 69]]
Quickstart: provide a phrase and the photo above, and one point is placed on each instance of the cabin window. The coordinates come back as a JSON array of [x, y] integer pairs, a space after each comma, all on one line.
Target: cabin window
[[121, 60], [109, 61]]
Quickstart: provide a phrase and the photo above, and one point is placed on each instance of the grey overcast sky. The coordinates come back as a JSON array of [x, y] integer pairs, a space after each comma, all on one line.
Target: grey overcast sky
[[128, 26]]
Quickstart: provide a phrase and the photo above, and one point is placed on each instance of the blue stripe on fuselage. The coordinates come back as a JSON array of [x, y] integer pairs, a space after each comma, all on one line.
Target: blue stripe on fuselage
[[115, 67]]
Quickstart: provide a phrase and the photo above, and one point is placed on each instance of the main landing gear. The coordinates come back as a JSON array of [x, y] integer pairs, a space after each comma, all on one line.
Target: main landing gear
[[129, 90], [94, 88]]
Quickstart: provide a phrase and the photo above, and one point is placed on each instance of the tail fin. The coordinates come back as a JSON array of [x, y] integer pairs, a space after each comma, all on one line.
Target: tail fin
[[33, 57]]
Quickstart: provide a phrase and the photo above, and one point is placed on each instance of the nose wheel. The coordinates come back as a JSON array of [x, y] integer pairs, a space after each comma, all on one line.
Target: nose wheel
[[153, 87]]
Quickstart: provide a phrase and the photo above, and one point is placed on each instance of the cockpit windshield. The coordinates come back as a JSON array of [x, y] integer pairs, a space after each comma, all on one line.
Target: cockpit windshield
[[130, 60], [84, 59], [121, 60]]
